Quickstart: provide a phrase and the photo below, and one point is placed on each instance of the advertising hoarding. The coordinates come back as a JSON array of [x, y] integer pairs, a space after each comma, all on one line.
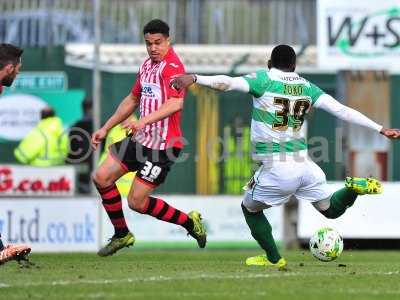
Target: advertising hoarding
[[358, 34], [51, 225], [34, 181]]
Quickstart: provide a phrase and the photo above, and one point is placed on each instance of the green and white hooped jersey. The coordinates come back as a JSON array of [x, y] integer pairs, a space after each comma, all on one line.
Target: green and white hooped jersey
[[280, 102]]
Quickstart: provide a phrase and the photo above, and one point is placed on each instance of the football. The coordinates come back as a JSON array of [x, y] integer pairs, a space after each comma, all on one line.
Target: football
[[326, 244]]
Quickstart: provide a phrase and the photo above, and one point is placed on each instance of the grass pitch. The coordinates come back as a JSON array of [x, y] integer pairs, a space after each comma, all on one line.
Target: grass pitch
[[196, 274]]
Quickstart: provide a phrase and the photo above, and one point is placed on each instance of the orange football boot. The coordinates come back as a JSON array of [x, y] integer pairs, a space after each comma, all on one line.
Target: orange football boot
[[14, 252]]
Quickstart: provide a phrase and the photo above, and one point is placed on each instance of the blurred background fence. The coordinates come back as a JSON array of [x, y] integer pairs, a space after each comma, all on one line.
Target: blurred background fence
[[57, 22]]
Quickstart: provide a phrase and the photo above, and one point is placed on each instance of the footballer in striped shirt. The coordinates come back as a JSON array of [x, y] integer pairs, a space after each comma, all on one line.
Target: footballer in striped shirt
[[152, 147]]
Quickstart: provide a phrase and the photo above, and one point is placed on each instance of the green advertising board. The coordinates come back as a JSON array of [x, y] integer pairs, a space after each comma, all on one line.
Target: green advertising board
[[21, 103], [40, 81]]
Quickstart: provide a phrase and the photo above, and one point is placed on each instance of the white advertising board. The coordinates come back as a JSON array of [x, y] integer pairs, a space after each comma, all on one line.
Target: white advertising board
[[358, 34], [371, 216], [19, 114], [222, 215], [51, 225], [18, 180]]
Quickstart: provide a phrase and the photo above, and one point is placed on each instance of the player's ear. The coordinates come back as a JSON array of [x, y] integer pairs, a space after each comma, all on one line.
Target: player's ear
[[168, 41], [9, 68]]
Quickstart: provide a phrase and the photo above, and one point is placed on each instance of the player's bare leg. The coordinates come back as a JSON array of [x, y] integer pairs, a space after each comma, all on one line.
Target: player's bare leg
[[140, 200], [104, 178]]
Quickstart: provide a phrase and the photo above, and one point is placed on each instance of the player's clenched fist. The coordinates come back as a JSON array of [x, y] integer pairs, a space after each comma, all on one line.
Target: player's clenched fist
[[134, 126], [183, 81], [391, 133], [98, 136]]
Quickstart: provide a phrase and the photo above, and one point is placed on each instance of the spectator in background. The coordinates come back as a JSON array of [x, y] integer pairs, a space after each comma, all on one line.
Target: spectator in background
[[81, 153], [45, 145]]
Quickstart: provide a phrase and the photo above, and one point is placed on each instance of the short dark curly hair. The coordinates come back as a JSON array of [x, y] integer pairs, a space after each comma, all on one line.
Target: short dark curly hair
[[9, 54], [156, 26], [283, 56]]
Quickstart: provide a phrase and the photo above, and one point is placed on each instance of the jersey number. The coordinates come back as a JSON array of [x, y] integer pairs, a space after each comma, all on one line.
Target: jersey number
[[150, 169], [295, 112]]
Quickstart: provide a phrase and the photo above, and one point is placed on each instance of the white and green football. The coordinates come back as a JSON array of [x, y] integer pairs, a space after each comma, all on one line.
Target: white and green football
[[326, 244]]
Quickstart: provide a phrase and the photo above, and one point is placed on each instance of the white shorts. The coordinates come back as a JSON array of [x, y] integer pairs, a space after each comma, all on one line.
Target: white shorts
[[276, 182]]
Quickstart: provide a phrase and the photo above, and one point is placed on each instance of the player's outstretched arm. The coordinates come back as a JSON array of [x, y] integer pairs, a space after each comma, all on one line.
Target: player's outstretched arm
[[329, 104], [217, 82], [124, 110]]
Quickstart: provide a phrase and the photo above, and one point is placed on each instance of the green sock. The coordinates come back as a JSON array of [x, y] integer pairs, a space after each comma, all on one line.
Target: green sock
[[261, 231], [340, 201]]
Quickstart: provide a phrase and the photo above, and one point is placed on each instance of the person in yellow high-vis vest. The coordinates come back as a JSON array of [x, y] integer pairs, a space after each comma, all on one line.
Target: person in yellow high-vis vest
[[238, 165], [45, 145], [116, 134]]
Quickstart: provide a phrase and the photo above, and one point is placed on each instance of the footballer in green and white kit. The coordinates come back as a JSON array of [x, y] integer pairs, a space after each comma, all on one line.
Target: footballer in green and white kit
[[281, 100]]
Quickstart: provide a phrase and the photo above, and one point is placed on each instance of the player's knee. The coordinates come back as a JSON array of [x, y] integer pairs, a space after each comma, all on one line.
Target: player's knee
[[131, 204], [101, 179], [137, 203]]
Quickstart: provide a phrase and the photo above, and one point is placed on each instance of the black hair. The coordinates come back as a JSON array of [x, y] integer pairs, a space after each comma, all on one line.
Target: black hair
[[156, 26], [47, 112], [283, 57], [87, 105], [9, 54]]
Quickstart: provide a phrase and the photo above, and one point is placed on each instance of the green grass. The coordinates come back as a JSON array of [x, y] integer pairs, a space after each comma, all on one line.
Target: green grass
[[196, 274]]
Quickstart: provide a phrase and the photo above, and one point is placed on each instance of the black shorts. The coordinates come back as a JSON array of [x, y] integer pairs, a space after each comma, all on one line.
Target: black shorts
[[151, 165]]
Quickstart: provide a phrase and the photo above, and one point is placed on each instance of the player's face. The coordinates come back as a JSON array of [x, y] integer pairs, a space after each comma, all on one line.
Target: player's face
[[157, 46], [11, 72]]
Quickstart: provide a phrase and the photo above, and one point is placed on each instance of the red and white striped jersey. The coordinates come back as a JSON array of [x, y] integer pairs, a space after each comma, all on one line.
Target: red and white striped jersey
[[153, 88]]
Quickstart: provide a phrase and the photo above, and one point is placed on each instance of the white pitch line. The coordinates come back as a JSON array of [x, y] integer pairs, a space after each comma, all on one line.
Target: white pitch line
[[368, 291], [191, 277], [101, 295]]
